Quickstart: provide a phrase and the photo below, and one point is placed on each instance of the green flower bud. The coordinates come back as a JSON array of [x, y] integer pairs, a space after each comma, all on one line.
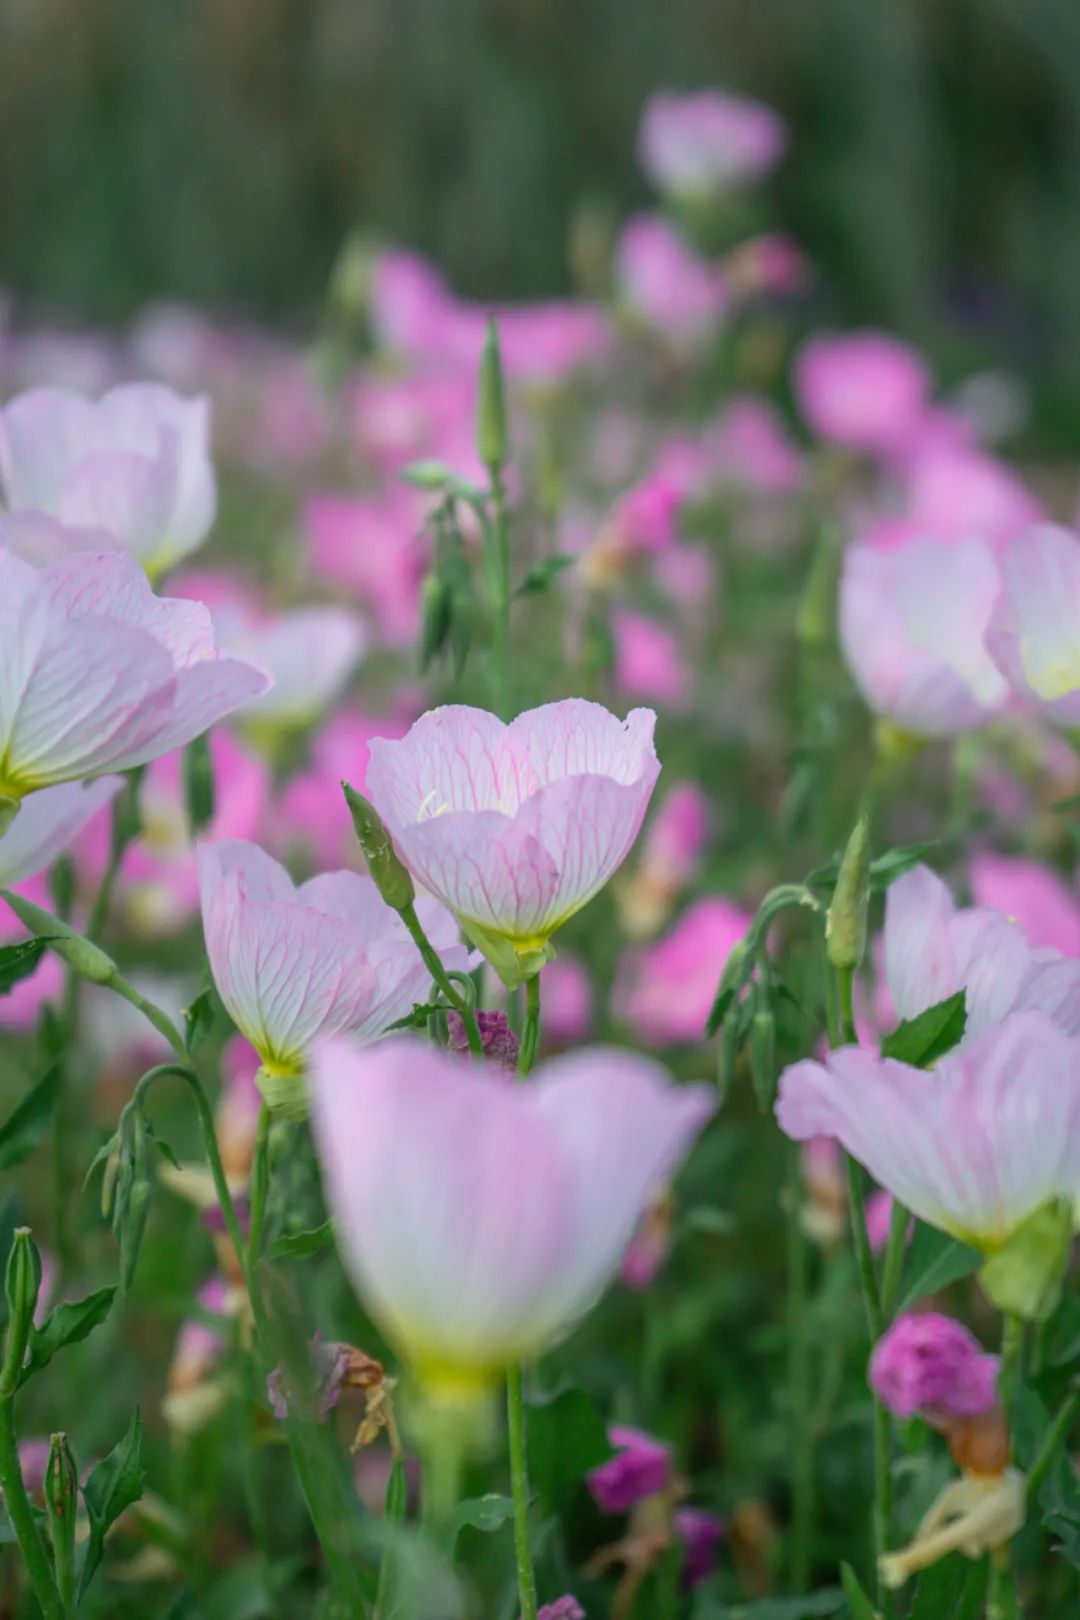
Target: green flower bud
[[845, 925], [85, 958], [22, 1283], [436, 612], [390, 875], [198, 772], [492, 443], [763, 1051], [61, 1508]]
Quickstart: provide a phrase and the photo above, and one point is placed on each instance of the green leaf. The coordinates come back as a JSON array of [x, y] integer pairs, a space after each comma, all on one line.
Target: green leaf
[[484, 1513], [199, 1017], [26, 1127], [113, 1486], [921, 1040], [953, 1587], [294, 1245], [541, 575], [934, 1261], [198, 780], [710, 1606], [18, 961], [67, 1324], [857, 1600], [564, 1438]]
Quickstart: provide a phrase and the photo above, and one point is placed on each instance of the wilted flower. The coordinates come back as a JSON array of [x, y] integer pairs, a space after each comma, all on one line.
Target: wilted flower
[[1034, 633], [101, 674], [515, 827], [704, 143], [501, 1045], [932, 1364], [480, 1220], [134, 464], [564, 1608], [912, 626], [295, 964], [974, 1515], [641, 1467], [701, 1533], [974, 1146]]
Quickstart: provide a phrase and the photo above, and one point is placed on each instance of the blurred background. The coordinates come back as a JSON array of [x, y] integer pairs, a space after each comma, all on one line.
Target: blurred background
[[219, 151]]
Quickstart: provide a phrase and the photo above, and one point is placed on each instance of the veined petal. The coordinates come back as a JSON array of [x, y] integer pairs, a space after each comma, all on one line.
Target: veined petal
[[48, 823]]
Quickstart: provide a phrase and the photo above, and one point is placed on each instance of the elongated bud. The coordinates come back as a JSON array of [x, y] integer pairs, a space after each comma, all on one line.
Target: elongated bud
[[61, 1507], [763, 1050], [845, 925], [492, 443], [85, 958], [199, 784], [391, 877], [22, 1283], [126, 814], [730, 1042], [436, 604]]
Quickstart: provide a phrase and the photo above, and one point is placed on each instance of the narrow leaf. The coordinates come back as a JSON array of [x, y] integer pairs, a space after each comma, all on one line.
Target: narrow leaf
[[68, 1324], [541, 575], [483, 1513], [857, 1600], [115, 1484], [18, 961], [26, 1127], [294, 1245]]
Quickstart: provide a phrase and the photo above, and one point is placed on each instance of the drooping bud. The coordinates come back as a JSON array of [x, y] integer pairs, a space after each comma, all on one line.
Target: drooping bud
[[198, 771], [22, 1283], [763, 1050], [492, 442], [61, 1507], [85, 958], [390, 875], [845, 925]]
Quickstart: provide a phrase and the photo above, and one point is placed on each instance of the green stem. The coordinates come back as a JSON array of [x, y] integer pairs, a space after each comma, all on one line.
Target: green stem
[[798, 1370], [864, 1253], [1063, 1421], [433, 963], [393, 1515], [260, 1187], [20, 1513], [530, 1034], [519, 1482], [154, 1015], [893, 1269], [498, 580], [845, 982], [1001, 1599]]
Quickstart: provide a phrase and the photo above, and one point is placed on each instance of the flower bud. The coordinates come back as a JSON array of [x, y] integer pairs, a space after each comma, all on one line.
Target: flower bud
[[198, 773], [845, 925], [390, 875], [763, 1051], [85, 958], [22, 1283], [436, 605], [61, 1507], [491, 436]]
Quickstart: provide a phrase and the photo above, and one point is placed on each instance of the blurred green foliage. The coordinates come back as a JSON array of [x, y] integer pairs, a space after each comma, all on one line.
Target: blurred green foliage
[[219, 150]]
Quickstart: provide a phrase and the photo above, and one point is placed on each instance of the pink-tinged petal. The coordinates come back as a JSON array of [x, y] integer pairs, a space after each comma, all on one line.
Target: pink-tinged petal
[[43, 434], [1046, 907], [453, 758], [587, 825], [486, 869], [201, 695], [310, 654], [111, 586], [452, 1214], [48, 823], [265, 879], [24, 628], [1033, 634], [976, 1145], [919, 962], [142, 416], [125, 494], [576, 737], [1051, 984], [42, 540]]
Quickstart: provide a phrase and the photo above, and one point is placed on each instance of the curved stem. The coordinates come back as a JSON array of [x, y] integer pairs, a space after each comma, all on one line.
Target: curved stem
[[519, 1482], [433, 963]]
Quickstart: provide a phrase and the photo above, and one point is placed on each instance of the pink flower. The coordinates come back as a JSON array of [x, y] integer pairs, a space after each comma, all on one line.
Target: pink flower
[[409, 303], [748, 448], [643, 523], [666, 991], [401, 419], [649, 1246], [48, 824], [933, 949], [932, 1363], [564, 1608], [1037, 898], [955, 492], [1035, 631], [672, 849], [515, 827], [708, 141], [134, 463], [310, 652], [518, 1201], [370, 545], [701, 1533], [101, 674], [311, 812], [663, 284], [294, 965], [641, 1467], [864, 390], [768, 266], [500, 1044], [648, 660], [974, 1146], [912, 628]]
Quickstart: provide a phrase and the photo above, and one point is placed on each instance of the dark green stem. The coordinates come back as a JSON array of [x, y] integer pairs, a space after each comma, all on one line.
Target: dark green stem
[[519, 1483], [1055, 1435], [893, 1269], [434, 965], [798, 1371], [530, 1034], [19, 1512], [1001, 1599], [498, 583]]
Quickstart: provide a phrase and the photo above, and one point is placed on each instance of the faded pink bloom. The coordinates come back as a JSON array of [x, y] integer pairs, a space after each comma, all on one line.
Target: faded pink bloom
[[397, 420], [706, 142], [519, 1201], [933, 949], [501, 1045], [912, 628], [236, 1116], [34, 1455], [408, 303], [666, 990], [671, 850], [101, 674], [648, 661], [1045, 906], [294, 965], [545, 344], [650, 1244], [701, 1534], [663, 284], [879, 1211], [515, 827], [863, 390], [371, 546], [931, 1363], [134, 464], [641, 1467], [974, 1146], [768, 266], [48, 824], [643, 523], [193, 1395], [1034, 633]]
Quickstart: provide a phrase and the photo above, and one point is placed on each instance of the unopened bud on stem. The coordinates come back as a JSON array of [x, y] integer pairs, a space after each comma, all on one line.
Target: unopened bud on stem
[[390, 875], [21, 1283], [492, 442], [61, 1507], [845, 925]]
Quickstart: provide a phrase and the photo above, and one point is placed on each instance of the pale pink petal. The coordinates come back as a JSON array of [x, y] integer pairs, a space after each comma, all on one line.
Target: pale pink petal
[[48, 823]]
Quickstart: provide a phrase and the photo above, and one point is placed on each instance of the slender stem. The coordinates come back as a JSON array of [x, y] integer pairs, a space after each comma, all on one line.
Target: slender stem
[[892, 1272], [63, 1178], [845, 983], [498, 577], [153, 1014], [433, 963], [394, 1513], [441, 1478], [1001, 1599], [20, 1513], [519, 1482], [864, 1253], [530, 1034], [802, 1442], [1055, 1435], [260, 1186]]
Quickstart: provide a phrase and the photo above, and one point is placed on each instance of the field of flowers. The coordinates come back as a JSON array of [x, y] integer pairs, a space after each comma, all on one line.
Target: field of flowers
[[539, 950]]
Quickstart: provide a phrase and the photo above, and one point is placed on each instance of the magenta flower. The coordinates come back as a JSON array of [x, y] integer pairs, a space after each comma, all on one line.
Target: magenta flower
[[49, 824], [501, 1046], [135, 464], [701, 1534], [1035, 631], [515, 827], [311, 814], [649, 662], [912, 626], [1044, 905], [641, 1467], [665, 991], [932, 1364], [369, 544], [974, 1146], [294, 965], [704, 143], [100, 674], [933, 949], [564, 1608], [518, 1201], [864, 390]]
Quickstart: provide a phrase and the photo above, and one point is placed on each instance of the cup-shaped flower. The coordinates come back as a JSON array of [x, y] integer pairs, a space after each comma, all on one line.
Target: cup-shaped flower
[[135, 463], [99, 674], [912, 627], [515, 827], [478, 1220], [1034, 633], [933, 948], [296, 964], [974, 1146], [49, 825]]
